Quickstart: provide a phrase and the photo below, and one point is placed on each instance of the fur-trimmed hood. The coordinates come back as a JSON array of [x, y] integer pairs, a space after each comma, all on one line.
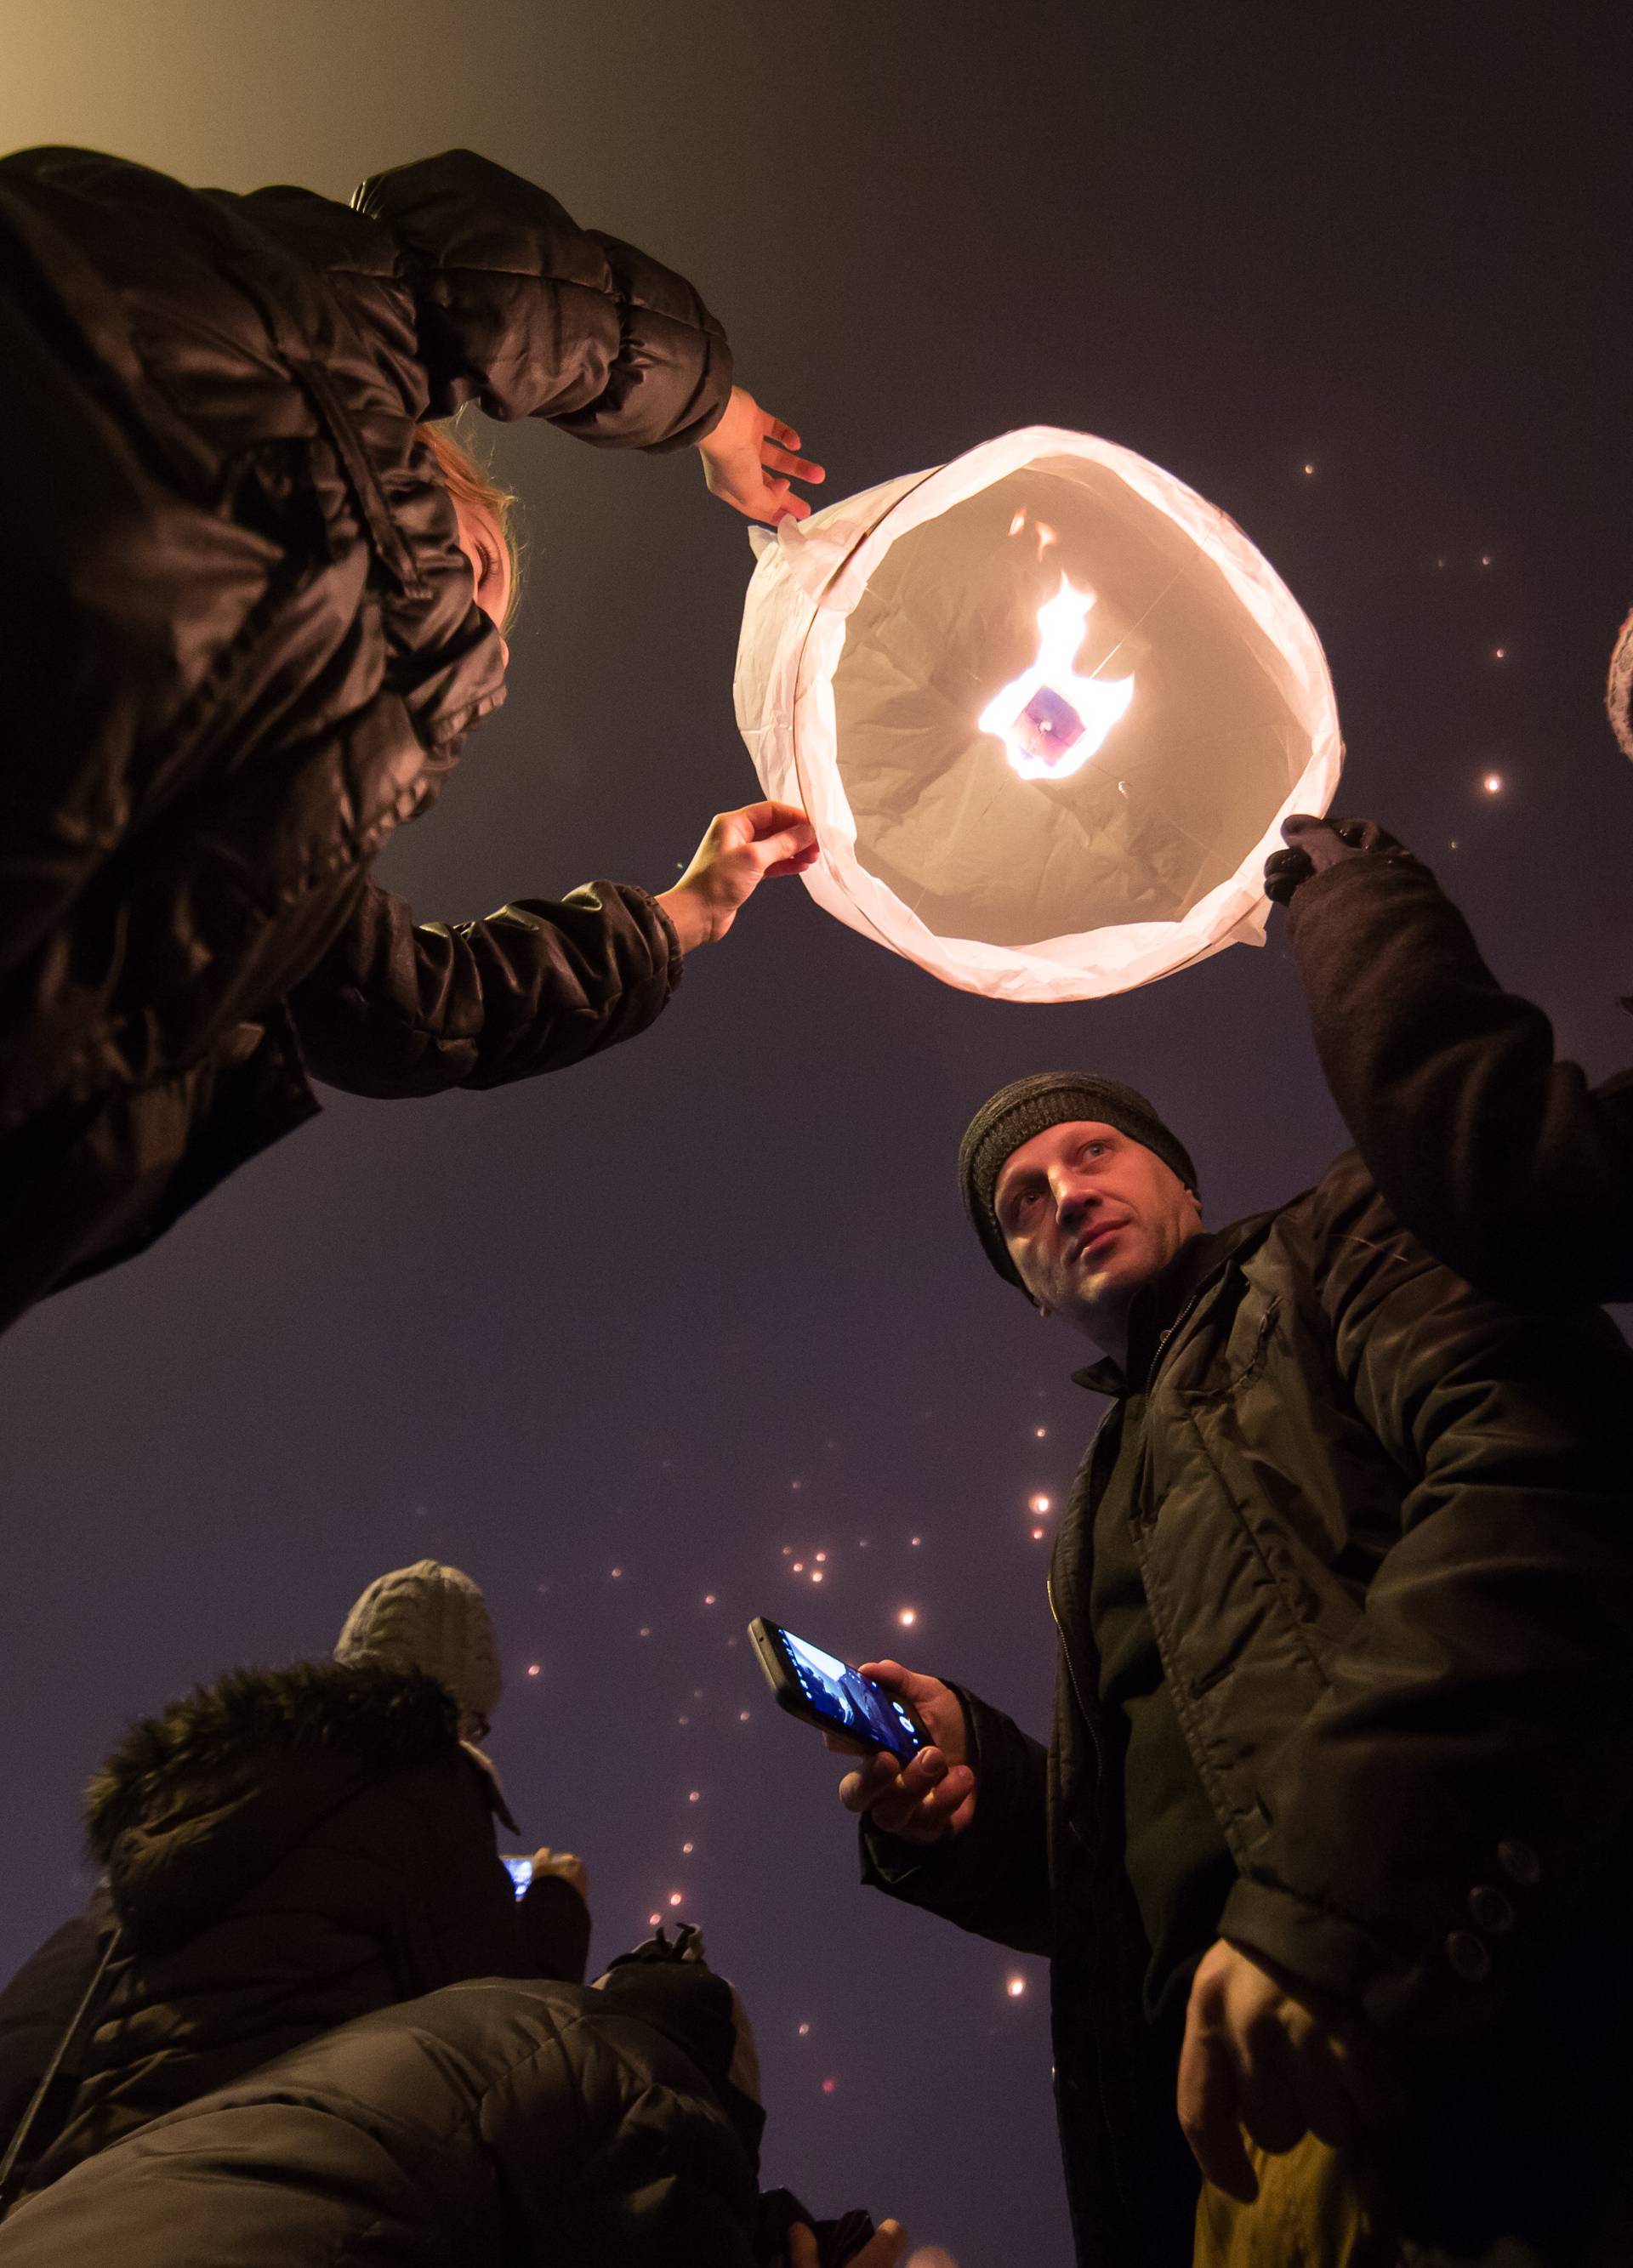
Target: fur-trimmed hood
[[197, 1803]]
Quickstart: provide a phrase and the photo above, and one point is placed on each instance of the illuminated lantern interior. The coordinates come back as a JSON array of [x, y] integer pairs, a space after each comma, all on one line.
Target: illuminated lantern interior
[[1046, 708]]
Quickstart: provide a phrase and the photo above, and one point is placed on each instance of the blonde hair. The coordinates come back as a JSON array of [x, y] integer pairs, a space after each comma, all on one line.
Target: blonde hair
[[468, 481]]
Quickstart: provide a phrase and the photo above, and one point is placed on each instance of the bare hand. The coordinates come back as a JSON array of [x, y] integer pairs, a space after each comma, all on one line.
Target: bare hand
[[884, 2248], [565, 1866], [932, 1796], [1266, 2053], [740, 848], [749, 460]]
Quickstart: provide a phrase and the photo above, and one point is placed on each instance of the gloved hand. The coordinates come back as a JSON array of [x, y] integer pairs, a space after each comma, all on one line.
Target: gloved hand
[[1315, 844]]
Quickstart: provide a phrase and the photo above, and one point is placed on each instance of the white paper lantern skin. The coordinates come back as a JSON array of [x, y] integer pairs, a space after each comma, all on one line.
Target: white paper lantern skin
[[1046, 708]]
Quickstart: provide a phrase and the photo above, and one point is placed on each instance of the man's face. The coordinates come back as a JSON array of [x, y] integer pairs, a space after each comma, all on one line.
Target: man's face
[[1090, 1217]]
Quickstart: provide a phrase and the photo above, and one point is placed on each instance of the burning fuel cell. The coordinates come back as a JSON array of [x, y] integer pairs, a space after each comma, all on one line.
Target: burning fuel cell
[[1048, 726], [1050, 720]]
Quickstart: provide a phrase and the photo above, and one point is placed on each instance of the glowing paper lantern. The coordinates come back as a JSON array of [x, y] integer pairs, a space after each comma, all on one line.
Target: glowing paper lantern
[[1046, 708]]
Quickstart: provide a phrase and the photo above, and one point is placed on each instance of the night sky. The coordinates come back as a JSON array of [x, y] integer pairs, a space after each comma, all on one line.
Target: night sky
[[634, 1345]]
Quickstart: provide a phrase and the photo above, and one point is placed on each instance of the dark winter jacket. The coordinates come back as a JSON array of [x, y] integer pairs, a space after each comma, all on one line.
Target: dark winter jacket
[[1507, 1165], [487, 2126], [286, 1851], [241, 646], [1387, 1548], [36, 2008]]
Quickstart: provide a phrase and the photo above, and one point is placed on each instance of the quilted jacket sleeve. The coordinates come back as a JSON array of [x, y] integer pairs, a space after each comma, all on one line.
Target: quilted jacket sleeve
[[1467, 1766], [993, 1879], [1500, 1159], [523, 311], [398, 1007]]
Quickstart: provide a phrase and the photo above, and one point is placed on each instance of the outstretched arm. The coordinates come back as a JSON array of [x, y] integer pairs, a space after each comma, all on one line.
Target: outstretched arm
[[519, 309], [401, 1007], [1498, 1157]]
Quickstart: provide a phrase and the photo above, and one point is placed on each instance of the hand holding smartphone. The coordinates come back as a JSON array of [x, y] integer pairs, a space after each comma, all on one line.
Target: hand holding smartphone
[[912, 1774], [820, 1690], [563, 1865]]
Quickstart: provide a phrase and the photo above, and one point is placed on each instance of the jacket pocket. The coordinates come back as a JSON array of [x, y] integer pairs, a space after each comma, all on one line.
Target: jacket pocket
[[1243, 1355]]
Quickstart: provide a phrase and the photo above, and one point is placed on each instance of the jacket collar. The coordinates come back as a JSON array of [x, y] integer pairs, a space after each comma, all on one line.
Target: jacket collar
[[1158, 1306]]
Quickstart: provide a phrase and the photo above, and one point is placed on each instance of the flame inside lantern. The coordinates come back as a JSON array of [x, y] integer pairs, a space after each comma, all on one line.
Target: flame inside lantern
[[1051, 720]]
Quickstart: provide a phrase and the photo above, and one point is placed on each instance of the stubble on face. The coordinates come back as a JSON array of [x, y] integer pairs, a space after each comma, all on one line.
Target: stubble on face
[[1090, 1217]]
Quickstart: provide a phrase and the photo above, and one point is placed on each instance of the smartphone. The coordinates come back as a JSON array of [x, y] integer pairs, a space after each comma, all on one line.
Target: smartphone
[[820, 1690], [520, 1870]]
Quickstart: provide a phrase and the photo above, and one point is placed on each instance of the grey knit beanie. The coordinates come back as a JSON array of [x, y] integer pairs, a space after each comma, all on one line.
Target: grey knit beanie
[[1025, 1108], [430, 1618]]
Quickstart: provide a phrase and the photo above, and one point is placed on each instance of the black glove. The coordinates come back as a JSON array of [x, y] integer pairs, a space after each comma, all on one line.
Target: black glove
[[1315, 844]]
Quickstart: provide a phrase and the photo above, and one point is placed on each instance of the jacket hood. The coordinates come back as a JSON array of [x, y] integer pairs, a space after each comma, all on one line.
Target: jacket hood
[[196, 1804]]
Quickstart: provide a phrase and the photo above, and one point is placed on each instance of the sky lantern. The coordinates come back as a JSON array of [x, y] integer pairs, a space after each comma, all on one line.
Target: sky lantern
[[1046, 708]]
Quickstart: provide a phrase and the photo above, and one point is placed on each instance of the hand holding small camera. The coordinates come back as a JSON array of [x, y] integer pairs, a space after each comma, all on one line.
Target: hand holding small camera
[[566, 1867]]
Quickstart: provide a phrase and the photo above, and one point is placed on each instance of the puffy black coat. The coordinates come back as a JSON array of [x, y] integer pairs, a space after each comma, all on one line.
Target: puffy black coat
[[1507, 1164], [488, 2125], [241, 646], [284, 1851], [1384, 1529]]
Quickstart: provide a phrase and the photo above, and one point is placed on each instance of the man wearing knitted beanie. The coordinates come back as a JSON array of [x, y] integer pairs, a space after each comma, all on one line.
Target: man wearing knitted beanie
[[1332, 1824]]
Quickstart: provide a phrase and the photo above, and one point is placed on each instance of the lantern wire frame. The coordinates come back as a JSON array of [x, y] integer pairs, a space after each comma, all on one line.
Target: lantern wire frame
[[808, 577]]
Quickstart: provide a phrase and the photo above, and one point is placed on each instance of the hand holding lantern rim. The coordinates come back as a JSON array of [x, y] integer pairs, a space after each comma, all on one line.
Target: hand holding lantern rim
[[740, 851], [565, 1865], [749, 460]]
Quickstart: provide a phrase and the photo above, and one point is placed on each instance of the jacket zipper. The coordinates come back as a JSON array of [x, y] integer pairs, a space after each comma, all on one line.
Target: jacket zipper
[[1110, 2122]]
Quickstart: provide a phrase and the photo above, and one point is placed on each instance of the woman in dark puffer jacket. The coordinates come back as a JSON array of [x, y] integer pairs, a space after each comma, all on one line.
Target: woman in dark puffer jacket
[[280, 1851], [245, 632], [284, 1850]]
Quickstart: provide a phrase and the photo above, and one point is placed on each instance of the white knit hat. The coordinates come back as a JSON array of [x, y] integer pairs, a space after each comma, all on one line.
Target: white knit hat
[[430, 1618]]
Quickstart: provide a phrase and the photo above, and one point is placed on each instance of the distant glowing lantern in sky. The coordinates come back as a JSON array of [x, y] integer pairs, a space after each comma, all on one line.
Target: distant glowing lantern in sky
[[1047, 709]]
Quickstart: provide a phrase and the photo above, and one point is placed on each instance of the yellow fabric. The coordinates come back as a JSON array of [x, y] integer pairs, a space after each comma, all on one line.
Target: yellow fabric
[[1316, 2207]]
